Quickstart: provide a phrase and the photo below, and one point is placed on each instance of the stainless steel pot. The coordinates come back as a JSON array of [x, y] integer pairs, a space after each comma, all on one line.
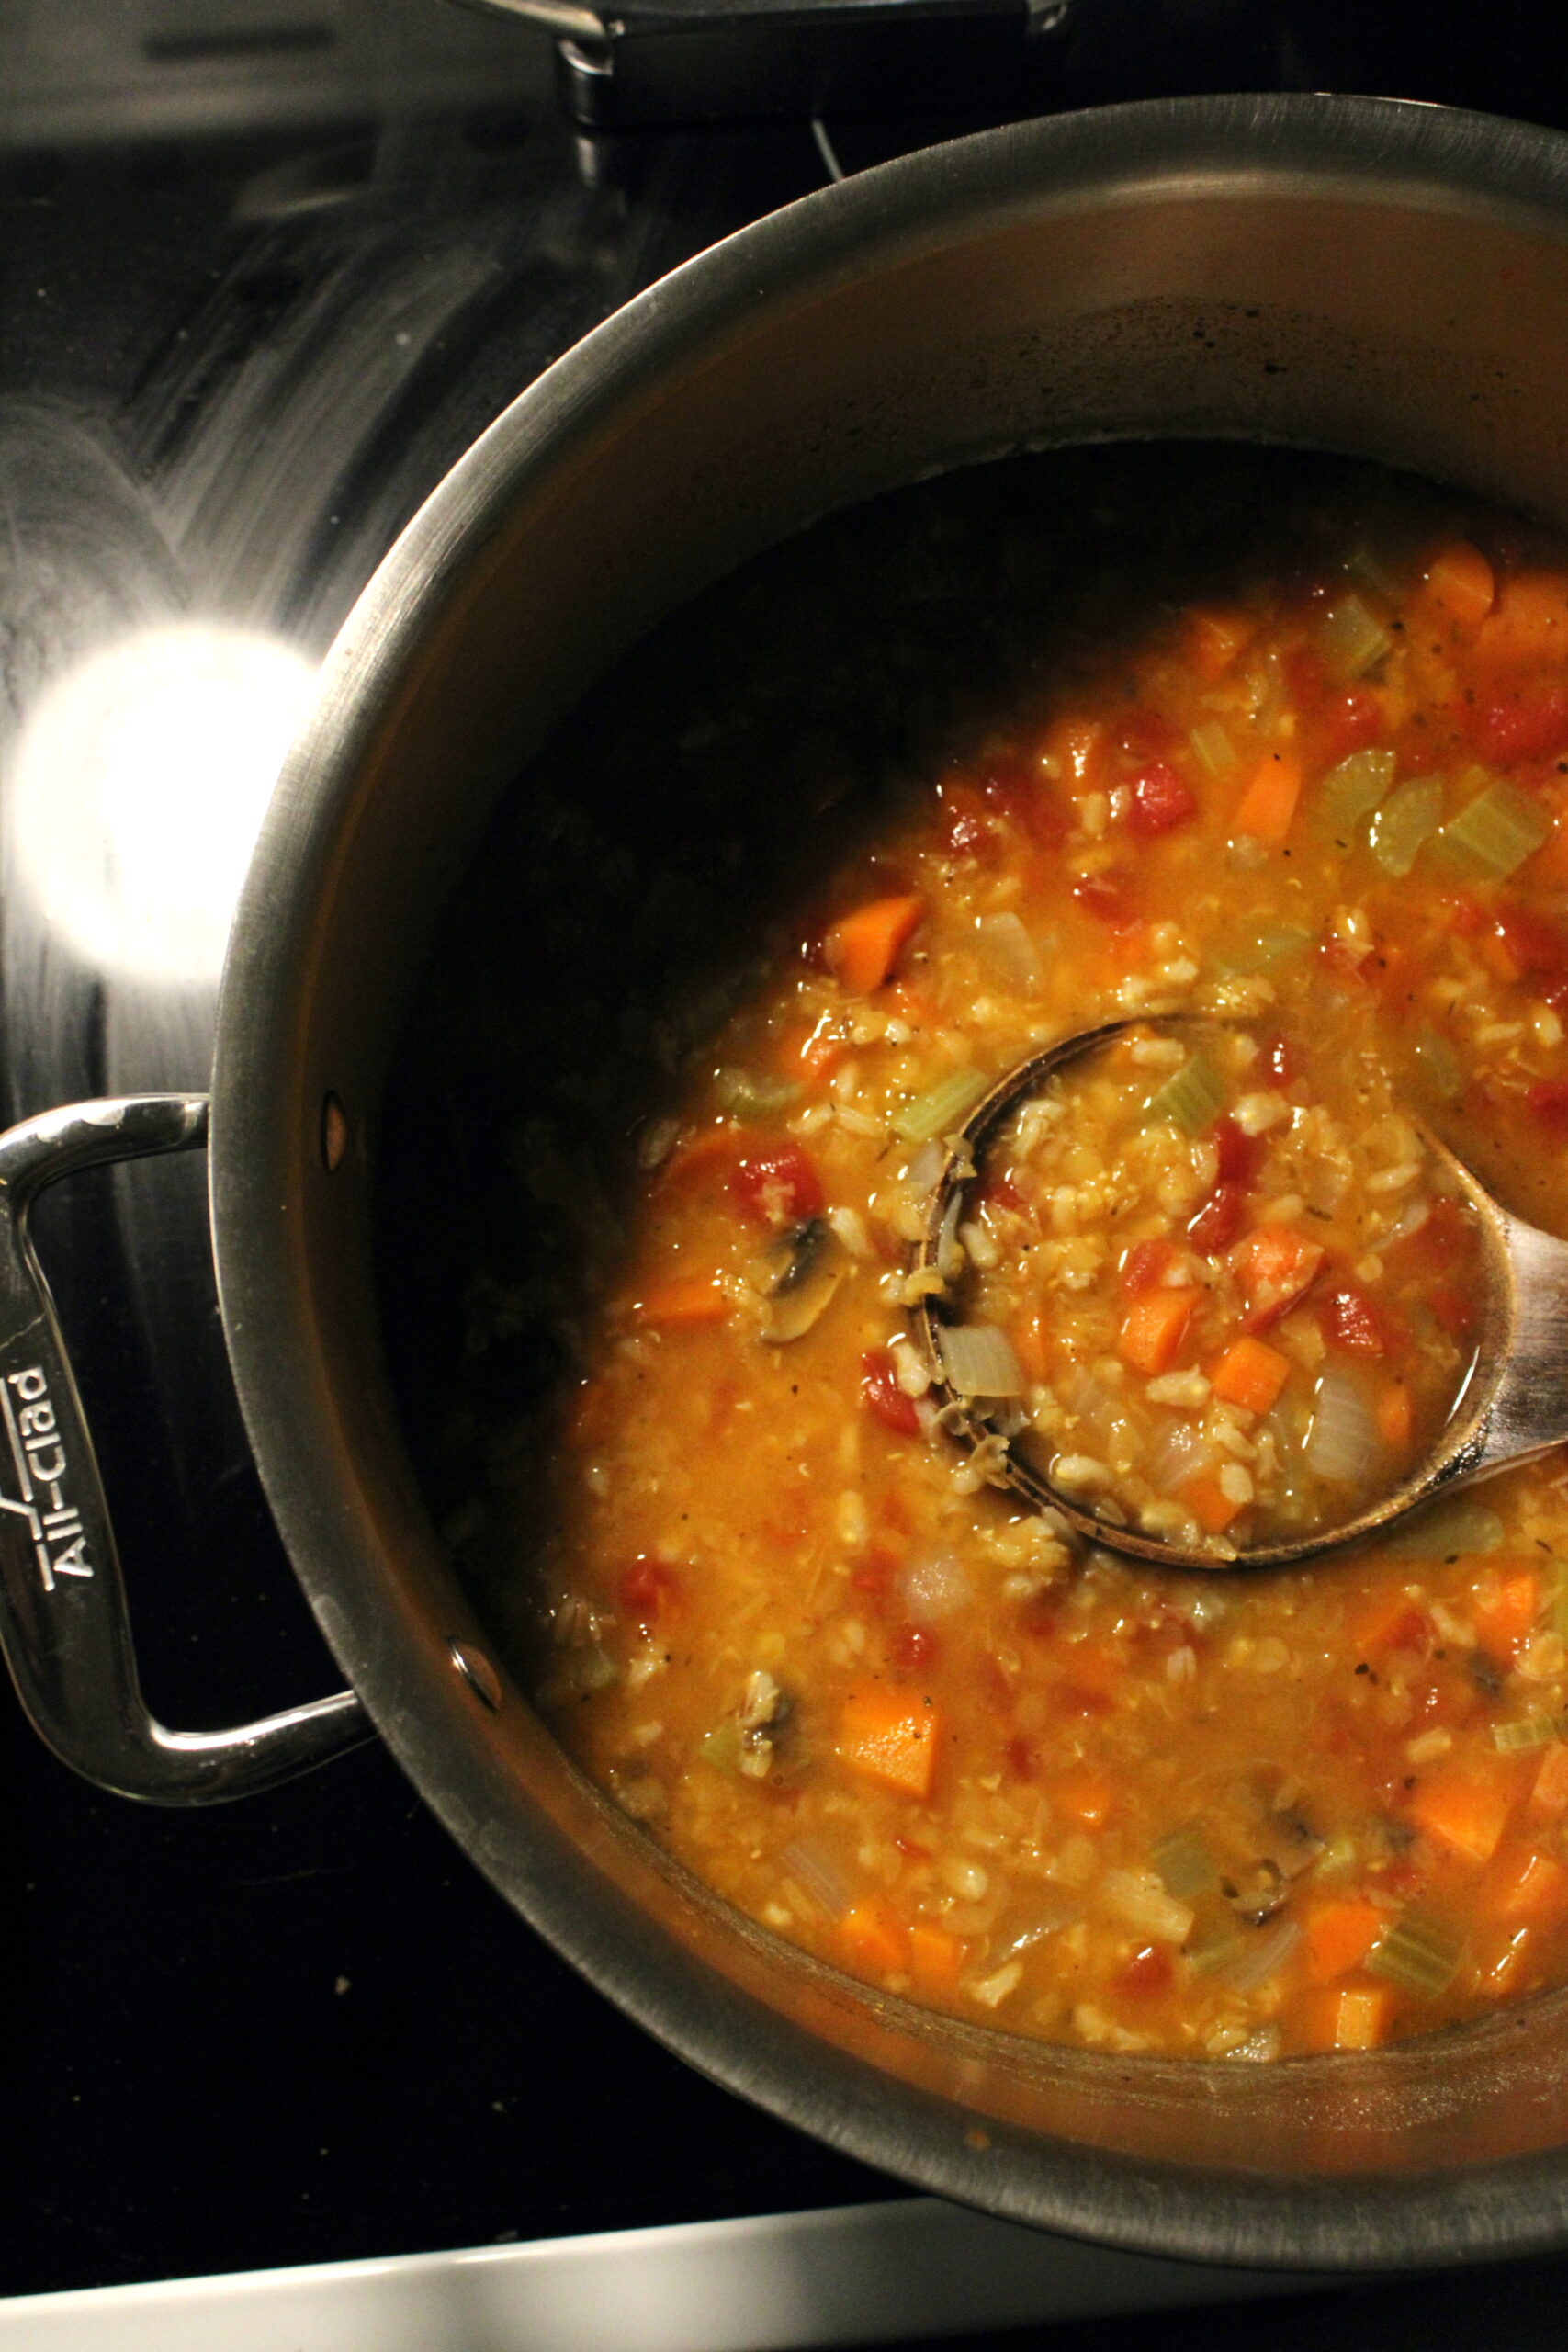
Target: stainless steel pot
[[1385, 280]]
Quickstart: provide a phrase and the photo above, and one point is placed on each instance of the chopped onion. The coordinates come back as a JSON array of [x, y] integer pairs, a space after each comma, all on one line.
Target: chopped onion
[[1415, 1213], [1139, 1899], [1342, 1443], [925, 1168], [1008, 948], [814, 1868], [978, 1361], [1259, 1960], [1438, 1065], [1177, 1455], [1448, 1531], [934, 1588]]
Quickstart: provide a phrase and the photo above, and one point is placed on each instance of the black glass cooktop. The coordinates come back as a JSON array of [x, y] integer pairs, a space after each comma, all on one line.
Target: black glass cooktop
[[257, 290]]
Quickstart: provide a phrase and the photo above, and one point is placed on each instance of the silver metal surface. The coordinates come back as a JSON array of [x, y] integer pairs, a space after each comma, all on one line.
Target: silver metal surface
[[1387, 281], [1512, 1405], [63, 1621]]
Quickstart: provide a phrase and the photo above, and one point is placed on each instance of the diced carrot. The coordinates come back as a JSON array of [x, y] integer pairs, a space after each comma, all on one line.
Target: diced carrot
[[1529, 621], [1507, 1605], [1029, 1347], [1277, 1265], [874, 1939], [864, 946], [1075, 746], [820, 1056], [1268, 804], [889, 1736], [936, 1959], [1528, 1887], [1462, 584], [1088, 1797], [1337, 1936], [1549, 1797], [1212, 640], [702, 1155], [684, 1299], [1356, 2017], [1502, 1959], [1154, 1327], [1462, 1813], [1207, 1502], [1395, 1414], [1251, 1375]]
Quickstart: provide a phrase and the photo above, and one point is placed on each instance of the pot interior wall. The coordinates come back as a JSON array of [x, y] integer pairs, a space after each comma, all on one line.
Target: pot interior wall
[[1393, 293]]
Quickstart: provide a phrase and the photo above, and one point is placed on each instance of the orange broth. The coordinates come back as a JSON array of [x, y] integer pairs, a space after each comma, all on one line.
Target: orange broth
[[1276, 742]]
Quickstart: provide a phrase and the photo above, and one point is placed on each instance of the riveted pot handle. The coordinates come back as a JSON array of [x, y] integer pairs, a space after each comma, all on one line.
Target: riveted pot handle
[[63, 1622]]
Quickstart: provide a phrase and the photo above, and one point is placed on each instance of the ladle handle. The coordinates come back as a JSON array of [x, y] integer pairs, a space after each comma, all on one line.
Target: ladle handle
[[63, 1620]]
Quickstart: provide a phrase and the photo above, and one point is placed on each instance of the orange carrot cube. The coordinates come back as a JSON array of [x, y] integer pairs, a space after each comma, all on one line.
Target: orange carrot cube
[[1268, 805], [1460, 584], [936, 1959], [862, 947], [684, 1299], [874, 1939], [1529, 1888], [888, 1736], [1209, 1503], [1466, 1814], [1395, 1414], [1507, 1605], [1337, 1936], [1154, 1327], [1250, 1375]]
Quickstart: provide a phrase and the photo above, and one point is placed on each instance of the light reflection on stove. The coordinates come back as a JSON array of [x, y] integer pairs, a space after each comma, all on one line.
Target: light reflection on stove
[[140, 785]]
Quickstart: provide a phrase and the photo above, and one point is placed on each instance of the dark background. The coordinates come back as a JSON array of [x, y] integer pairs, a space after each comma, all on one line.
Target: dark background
[[302, 2028]]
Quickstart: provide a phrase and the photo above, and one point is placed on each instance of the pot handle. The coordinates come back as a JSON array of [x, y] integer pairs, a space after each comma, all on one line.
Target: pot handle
[[63, 1621]]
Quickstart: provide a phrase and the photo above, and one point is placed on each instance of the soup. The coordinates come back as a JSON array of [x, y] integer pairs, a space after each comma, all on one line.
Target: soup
[[1271, 741]]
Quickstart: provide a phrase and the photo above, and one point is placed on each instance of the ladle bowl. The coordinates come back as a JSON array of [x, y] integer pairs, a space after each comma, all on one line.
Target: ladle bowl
[[1512, 1405]]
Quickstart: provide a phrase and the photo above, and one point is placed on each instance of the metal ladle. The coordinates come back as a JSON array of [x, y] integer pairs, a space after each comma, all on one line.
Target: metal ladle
[[1512, 1405]]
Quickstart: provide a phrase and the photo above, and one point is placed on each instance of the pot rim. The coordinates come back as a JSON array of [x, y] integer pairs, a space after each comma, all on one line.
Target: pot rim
[[1387, 150]]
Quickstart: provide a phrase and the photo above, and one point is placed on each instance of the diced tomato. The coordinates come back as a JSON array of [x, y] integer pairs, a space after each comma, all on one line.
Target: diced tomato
[[1150, 1969], [1220, 1219], [1109, 895], [645, 1588], [1278, 1266], [779, 1187], [874, 1573], [1240, 1155], [1145, 1267], [1019, 791], [1548, 1098], [1000, 1191], [1535, 946], [1348, 1318], [1522, 723], [912, 1649], [1160, 801], [882, 1397]]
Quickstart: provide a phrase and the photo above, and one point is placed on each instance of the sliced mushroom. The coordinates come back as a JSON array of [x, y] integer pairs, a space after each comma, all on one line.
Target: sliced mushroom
[[798, 1276]]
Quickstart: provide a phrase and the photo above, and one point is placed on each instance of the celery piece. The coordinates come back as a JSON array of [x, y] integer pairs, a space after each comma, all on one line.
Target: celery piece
[[1212, 748], [1217, 1936], [1495, 833], [942, 1107], [1364, 568], [1193, 1099], [752, 1096], [1418, 1954], [1182, 1861], [1352, 639], [1406, 821], [1526, 1731], [1440, 1069], [1259, 946], [1352, 790]]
